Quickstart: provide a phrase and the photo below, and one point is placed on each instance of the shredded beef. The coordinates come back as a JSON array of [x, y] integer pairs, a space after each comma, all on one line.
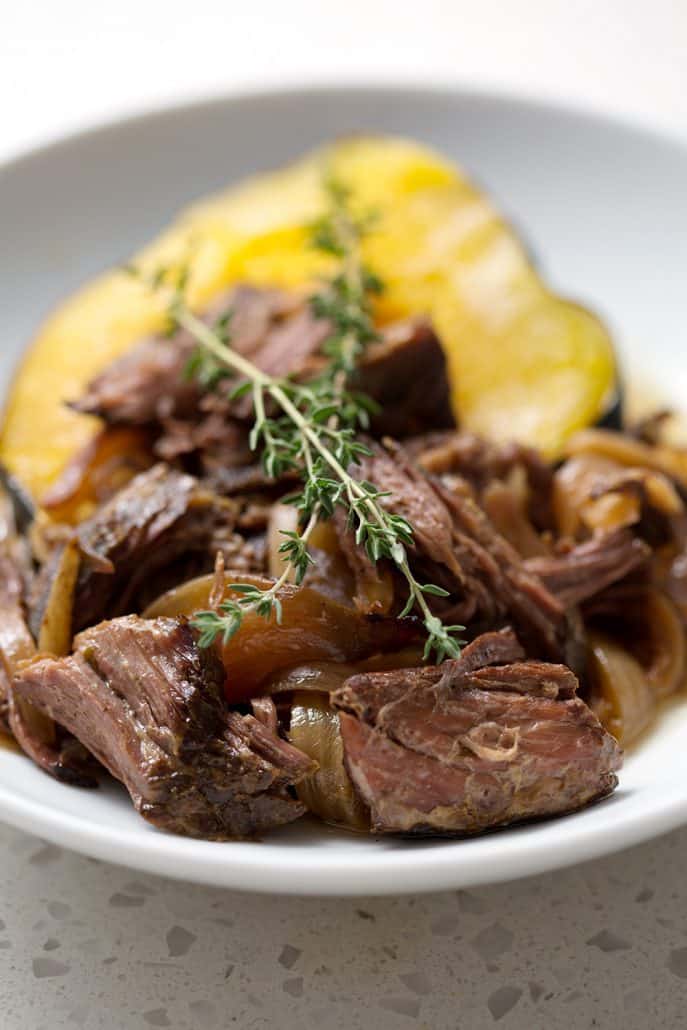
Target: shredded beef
[[404, 372], [464, 746], [457, 547], [481, 462], [588, 568], [131, 543], [145, 384], [148, 383], [149, 705]]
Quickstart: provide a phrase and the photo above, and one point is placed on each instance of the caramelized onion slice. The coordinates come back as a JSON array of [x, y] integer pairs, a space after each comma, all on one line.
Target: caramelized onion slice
[[330, 573], [106, 463], [622, 698], [574, 506], [35, 731], [313, 628], [666, 671], [325, 677], [506, 504], [315, 677], [55, 632], [593, 492], [628, 451], [328, 793]]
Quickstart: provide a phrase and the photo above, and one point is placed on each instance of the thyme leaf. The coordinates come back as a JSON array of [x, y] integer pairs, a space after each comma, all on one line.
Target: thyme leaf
[[314, 431]]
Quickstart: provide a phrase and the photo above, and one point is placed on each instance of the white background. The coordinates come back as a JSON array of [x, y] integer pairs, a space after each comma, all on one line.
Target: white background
[[83, 944], [64, 63]]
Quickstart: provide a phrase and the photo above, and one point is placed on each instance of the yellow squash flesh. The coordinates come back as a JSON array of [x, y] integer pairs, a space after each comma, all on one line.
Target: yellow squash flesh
[[524, 363]]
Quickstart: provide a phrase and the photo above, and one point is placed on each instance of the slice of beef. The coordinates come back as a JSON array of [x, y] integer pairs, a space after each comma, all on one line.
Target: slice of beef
[[149, 384], [149, 704], [375, 689], [200, 427], [162, 527], [461, 748], [457, 547], [586, 569], [215, 445]]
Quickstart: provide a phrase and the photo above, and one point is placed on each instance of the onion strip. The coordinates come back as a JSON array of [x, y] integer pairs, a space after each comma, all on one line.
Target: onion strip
[[622, 696], [328, 793]]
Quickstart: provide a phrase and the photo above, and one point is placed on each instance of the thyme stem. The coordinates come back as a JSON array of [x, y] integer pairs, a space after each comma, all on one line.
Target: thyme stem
[[315, 435]]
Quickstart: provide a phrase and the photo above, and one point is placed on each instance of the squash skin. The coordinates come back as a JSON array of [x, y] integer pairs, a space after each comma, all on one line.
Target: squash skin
[[524, 363]]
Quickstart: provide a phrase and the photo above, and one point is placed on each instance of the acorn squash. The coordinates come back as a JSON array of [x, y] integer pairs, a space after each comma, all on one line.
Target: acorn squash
[[524, 363]]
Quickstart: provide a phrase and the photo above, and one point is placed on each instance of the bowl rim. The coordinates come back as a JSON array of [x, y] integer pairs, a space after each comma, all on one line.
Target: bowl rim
[[188, 103]]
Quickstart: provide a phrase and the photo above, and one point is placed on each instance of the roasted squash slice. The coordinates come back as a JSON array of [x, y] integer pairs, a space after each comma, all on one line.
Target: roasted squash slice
[[524, 363]]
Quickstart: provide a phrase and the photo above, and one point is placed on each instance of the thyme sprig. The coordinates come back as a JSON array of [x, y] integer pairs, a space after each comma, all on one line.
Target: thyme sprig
[[314, 431]]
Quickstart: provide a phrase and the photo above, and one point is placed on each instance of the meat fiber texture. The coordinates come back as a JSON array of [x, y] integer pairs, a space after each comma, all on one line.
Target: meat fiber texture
[[479, 742], [149, 705]]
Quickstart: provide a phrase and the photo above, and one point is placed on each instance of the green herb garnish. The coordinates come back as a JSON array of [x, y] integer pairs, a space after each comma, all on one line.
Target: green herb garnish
[[314, 431]]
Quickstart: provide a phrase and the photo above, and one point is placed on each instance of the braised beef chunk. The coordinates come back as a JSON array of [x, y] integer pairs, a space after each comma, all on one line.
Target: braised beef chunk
[[457, 547], [586, 569], [215, 445], [405, 372], [462, 748], [375, 689], [148, 384], [161, 518], [54, 749], [145, 384], [149, 704]]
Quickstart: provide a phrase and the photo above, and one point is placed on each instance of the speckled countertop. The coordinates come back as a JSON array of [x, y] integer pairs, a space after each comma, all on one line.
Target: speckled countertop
[[85, 944]]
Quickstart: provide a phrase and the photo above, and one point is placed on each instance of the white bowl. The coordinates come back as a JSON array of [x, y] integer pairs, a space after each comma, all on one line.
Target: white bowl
[[601, 203]]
